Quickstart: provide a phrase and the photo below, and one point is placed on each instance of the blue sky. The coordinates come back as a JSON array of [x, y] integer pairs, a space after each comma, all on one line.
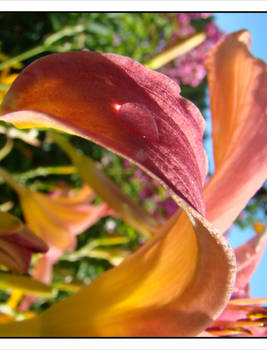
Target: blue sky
[[256, 23]]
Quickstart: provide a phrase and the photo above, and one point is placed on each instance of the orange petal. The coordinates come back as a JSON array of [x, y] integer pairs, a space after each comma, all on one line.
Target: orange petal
[[121, 105], [237, 84], [58, 219], [157, 291]]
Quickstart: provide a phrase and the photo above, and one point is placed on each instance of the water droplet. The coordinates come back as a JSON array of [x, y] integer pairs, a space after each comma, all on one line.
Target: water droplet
[[138, 119], [141, 155]]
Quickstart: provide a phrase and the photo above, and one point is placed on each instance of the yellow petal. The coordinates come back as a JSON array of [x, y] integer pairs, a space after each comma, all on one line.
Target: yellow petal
[[58, 219], [175, 285]]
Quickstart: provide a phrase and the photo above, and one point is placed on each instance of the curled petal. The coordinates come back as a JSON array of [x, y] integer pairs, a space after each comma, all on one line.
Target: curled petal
[[237, 84], [143, 296], [121, 105]]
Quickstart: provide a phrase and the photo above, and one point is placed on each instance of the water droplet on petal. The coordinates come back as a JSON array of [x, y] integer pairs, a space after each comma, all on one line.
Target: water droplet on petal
[[138, 119], [141, 155]]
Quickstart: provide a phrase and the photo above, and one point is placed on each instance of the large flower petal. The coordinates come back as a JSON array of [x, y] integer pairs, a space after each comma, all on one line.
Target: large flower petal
[[144, 296], [238, 96], [120, 104]]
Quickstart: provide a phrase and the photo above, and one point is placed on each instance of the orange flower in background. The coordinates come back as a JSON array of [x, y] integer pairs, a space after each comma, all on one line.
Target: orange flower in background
[[181, 280], [17, 243], [58, 219]]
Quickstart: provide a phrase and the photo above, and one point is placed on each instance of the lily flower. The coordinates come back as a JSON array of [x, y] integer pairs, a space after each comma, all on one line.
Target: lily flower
[[181, 280], [17, 243], [58, 219]]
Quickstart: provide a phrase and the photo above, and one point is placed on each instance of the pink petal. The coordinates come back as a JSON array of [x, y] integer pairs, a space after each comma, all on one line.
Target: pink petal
[[237, 83]]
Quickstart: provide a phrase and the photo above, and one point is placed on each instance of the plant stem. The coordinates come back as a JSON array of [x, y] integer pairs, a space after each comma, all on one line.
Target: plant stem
[[66, 31], [10, 180], [6, 149], [175, 51], [28, 137], [68, 287], [44, 171], [84, 251], [23, 56], [46, 46]]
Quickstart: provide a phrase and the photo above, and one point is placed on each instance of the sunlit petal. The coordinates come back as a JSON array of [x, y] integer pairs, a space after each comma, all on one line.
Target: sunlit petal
[[238, 100], [120, 104], [144, 296]]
